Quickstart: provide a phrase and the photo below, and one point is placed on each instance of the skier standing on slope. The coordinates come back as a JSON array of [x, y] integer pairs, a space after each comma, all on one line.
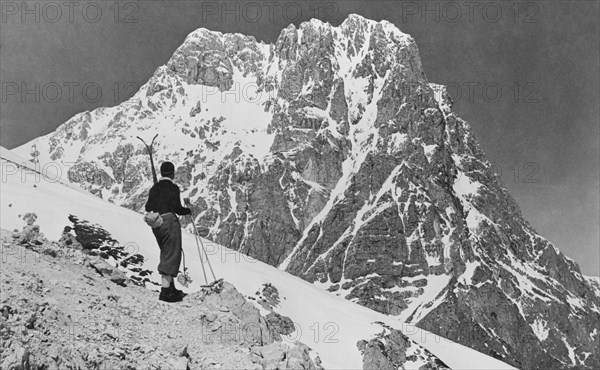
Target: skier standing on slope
[[164, 199]]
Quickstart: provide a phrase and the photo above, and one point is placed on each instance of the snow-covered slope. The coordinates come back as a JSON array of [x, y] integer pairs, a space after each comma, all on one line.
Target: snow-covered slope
[[330, 325]]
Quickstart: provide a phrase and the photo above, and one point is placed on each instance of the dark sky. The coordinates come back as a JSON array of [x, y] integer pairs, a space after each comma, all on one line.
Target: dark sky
[[532, 69]]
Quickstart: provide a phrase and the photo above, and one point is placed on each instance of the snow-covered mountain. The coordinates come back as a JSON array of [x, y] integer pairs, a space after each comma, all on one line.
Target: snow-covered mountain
[[345, 335], [330, 155]]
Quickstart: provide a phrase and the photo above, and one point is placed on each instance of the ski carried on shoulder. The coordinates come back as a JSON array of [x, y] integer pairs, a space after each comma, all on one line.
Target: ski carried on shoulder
[[150, 152]]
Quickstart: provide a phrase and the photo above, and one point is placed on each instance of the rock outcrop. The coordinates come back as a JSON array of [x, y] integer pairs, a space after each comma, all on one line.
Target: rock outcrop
[[391, 350], [57, 313]]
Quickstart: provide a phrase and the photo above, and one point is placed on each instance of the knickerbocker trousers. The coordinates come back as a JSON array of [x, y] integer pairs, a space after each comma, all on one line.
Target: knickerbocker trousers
[[168, 236]]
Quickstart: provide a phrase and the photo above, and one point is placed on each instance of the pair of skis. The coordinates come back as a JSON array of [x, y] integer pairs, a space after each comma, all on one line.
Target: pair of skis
[[149, 149], [199, 245]]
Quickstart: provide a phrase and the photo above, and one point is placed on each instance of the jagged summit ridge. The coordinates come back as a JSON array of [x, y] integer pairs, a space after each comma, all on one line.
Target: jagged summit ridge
[[218, 53], [343, 165]]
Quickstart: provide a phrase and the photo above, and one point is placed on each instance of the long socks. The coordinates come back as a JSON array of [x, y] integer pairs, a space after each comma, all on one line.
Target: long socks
[[166, 281]]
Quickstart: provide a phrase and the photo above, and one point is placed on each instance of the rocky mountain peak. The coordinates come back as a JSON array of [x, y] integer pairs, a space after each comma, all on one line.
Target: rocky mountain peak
[[209, 56]]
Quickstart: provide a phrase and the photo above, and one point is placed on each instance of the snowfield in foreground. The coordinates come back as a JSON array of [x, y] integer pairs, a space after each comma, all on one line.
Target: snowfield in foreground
[[330, 325]]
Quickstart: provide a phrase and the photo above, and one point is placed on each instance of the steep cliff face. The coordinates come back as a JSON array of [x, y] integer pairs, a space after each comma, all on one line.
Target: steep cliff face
[[330, 155]]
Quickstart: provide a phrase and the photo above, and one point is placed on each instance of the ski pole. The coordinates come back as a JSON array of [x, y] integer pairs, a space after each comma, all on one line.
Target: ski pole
[[205, 254], [198, 247], [207, 260], [186, 201]]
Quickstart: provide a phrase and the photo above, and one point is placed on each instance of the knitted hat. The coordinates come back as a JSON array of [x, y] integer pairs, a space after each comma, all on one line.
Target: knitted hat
[[167, 168]]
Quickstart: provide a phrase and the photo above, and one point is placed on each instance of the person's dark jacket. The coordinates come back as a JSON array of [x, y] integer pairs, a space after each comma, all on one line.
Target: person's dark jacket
[[164, 198]]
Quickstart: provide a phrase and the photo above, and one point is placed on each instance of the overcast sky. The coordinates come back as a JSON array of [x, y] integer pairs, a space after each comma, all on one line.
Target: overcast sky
[[526, 78]]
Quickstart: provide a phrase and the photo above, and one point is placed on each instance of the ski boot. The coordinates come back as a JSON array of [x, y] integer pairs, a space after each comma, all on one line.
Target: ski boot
[[169, 295], [178, 292]]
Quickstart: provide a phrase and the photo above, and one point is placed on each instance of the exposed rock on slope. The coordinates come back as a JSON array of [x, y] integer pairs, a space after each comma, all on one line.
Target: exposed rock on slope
[[391, 349], [57, 313]]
